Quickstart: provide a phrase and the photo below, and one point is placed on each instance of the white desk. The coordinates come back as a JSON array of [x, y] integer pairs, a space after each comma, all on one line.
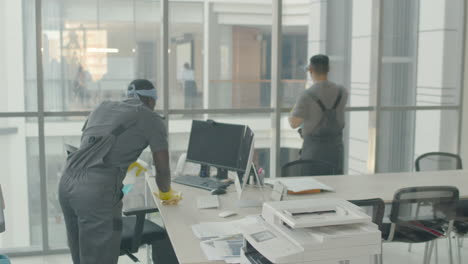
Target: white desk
[[179, 219]]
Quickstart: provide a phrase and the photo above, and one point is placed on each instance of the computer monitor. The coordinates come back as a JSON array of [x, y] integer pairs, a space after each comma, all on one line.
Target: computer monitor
[[221, 145]]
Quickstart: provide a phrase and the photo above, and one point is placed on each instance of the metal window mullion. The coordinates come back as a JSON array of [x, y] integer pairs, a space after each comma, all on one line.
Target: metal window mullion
[[415, 78], [415, 108], [27, 252], [165, 58], [275, 86], [206, 54], [41, 135], [18, 114], [376, 76], [461, 108]]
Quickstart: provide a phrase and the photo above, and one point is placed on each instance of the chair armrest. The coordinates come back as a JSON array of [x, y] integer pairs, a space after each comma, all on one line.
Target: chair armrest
[[140, 211]]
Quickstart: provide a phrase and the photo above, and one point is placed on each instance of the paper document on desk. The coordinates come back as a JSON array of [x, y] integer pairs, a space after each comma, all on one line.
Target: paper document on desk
[[225, 248], [210, 230], [300, 185]]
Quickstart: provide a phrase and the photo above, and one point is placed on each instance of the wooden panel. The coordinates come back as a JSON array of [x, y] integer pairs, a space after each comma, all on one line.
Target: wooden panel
[[246, 66]]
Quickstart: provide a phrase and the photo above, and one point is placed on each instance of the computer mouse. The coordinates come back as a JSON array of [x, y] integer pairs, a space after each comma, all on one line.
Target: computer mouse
[[218, 191]]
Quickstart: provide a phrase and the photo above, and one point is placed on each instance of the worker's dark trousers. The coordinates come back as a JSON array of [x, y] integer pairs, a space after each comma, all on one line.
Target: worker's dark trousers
[[328, 149], [92, 206]]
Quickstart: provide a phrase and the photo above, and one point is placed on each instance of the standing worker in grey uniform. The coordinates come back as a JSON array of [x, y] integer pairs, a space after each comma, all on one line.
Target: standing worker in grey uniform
[[319, 113], [90, 190]]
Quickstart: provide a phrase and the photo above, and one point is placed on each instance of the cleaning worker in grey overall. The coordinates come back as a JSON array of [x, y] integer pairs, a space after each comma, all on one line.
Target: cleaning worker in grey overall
[[319, 113], [90, 190]]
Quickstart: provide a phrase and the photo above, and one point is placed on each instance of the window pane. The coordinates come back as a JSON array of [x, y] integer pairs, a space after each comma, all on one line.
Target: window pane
[[404, 135], [17, 57], [421, 58], [93, 49], [399, 52], [337, 28], [361, 38], [340, 29], [259, 123], [186, 55], [58, 131], [20, 184], [291, 142], [233, 41], [357, 142]]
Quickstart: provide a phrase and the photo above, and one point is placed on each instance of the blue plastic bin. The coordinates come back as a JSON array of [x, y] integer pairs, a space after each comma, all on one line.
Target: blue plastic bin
[[4, 260]]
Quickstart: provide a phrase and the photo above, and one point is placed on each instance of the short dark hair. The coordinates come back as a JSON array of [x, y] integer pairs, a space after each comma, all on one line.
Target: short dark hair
[[320, 63], [140, 84]]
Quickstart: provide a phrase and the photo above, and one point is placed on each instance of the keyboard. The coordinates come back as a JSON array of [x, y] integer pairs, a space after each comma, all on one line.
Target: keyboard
[[198, 182], [208, 201]]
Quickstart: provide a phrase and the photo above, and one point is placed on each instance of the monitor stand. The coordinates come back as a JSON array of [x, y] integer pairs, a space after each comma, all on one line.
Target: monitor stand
[[204, 171], [222, 174], [250, 193]]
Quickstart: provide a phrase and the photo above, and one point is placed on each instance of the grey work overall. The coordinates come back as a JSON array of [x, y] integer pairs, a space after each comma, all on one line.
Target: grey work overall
[[325, 143], [90, 196]]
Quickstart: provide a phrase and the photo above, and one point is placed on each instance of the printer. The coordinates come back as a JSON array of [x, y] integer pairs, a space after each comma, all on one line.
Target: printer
[[313, 231]]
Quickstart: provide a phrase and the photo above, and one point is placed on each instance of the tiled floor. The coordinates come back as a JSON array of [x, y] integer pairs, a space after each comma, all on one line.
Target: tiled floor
[[394, 253]]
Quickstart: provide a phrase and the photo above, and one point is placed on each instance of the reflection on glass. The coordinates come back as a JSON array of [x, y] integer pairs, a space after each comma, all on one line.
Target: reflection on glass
[[89, 57], [186, 60]]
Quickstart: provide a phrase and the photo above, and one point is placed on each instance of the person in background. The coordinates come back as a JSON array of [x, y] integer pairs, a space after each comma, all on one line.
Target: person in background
[[90, 189], [187, 77], [319, 113], [80, 85]]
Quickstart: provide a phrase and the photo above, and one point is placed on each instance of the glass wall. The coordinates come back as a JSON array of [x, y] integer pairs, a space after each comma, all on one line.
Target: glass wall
[[341, 29], [420, 81], [219, 66]]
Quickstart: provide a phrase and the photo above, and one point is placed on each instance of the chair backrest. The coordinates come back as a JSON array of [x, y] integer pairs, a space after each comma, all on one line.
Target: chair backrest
[[307, 168], [373, 207], [430, 203], [436, 161]]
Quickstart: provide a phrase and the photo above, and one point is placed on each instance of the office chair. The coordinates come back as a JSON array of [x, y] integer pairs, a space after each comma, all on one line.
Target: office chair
[[376, 209], [307, 168], [436, 161], [138, 231], [434, 220]]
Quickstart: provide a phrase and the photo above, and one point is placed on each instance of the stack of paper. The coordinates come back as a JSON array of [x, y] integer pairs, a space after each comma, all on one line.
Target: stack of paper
[[211, 230], [301, 185], [226, 248], [222, 240]]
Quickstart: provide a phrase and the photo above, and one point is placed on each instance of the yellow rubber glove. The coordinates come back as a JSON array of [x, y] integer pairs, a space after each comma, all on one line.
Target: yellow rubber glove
[[139, 167], [169, 198]]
